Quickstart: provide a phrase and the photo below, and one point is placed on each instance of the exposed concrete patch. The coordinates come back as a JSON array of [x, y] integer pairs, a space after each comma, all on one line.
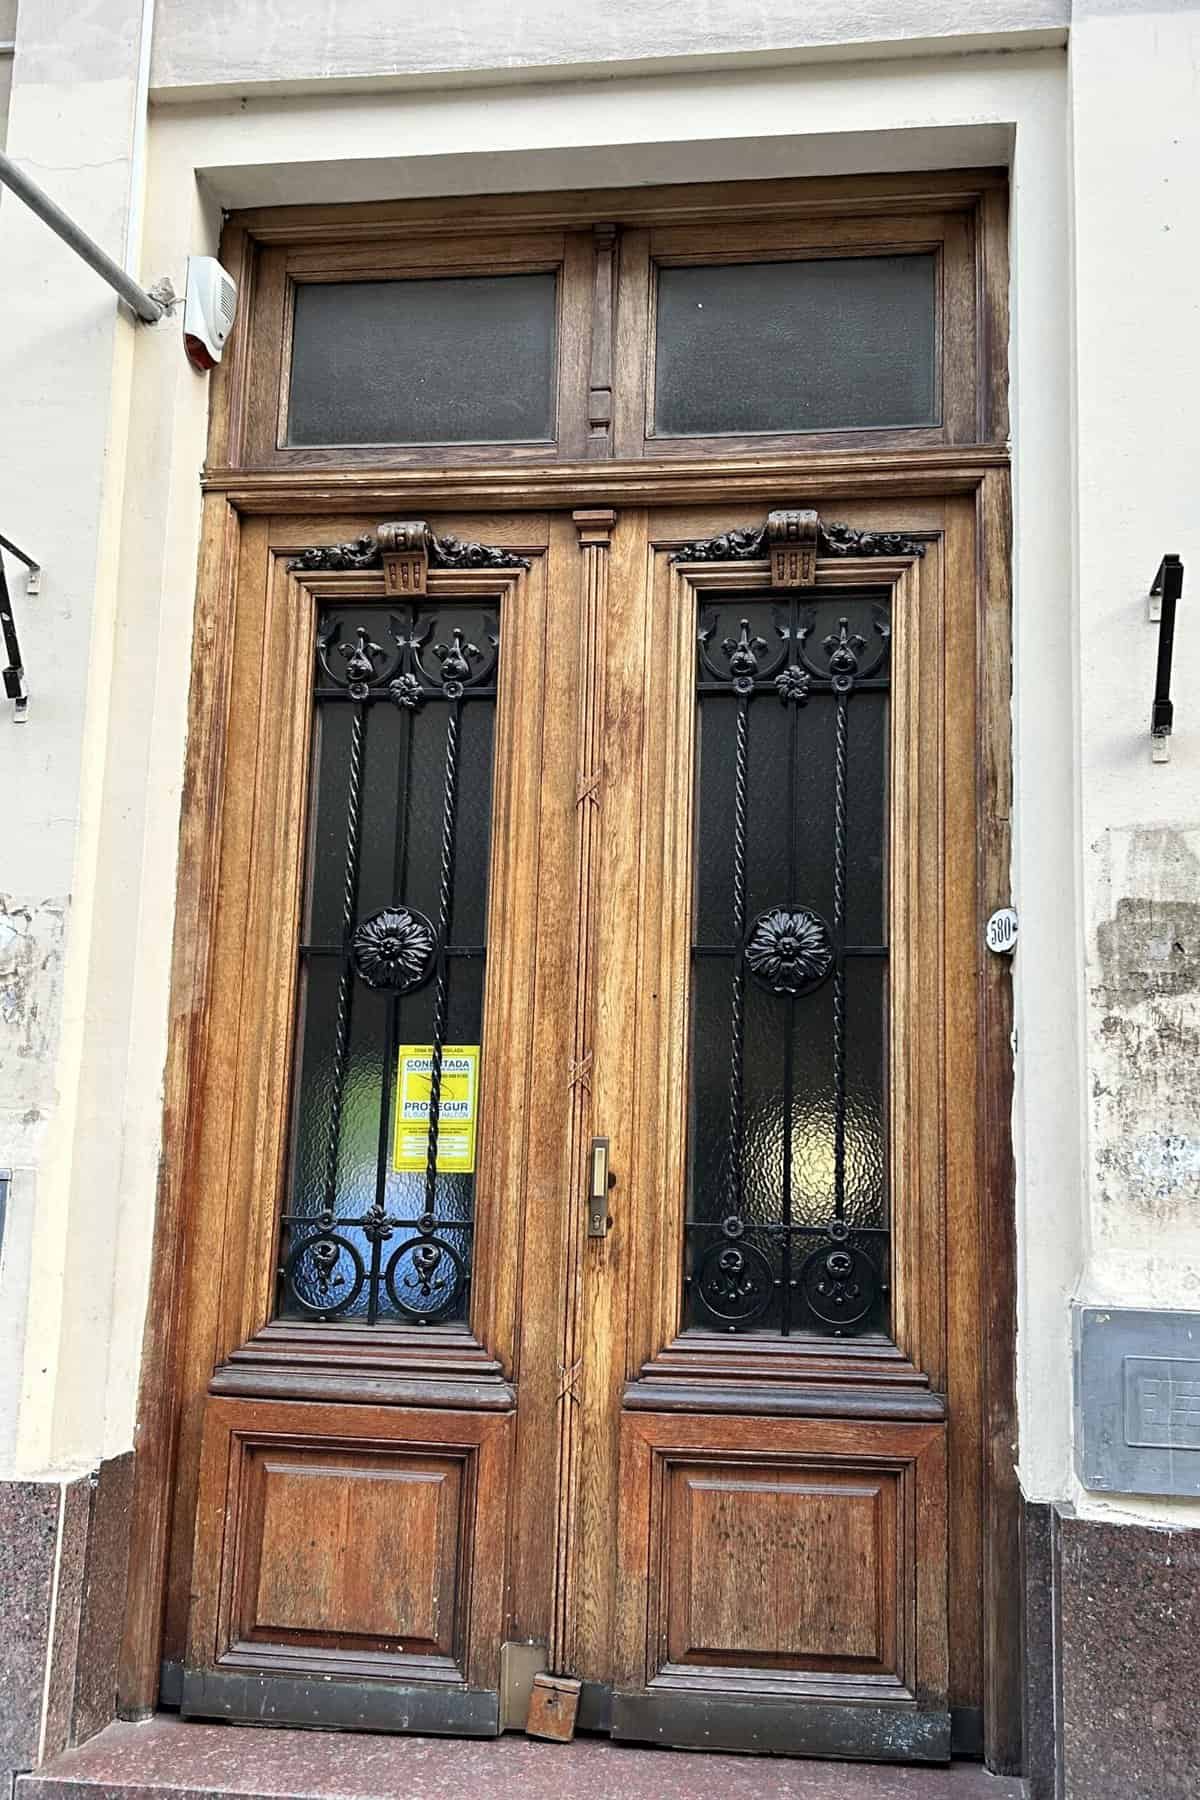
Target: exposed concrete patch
[[1152, 948], [1145, 992]]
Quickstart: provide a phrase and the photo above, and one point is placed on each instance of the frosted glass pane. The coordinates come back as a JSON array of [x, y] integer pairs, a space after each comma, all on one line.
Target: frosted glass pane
[[834, 344], [455, 361]]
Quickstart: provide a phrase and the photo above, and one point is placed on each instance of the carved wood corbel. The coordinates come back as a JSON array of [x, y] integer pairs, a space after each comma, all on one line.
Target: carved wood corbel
[[792, 537], [404, 552]]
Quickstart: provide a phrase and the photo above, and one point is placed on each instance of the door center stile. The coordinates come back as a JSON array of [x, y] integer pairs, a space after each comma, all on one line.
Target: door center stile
[[595, 528]]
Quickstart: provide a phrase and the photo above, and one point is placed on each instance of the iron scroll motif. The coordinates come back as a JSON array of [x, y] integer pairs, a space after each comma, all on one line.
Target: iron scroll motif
[[366, 552], [735, 1283], [408, 669], [751, 543], [839, 1284]]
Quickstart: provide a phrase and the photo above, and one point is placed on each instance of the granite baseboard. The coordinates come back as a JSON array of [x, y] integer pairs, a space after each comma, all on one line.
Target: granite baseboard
[[29, 1549], [1112, 1659], [64, 1554], [1129, 1625], [1040, 1725], [103, 1609]]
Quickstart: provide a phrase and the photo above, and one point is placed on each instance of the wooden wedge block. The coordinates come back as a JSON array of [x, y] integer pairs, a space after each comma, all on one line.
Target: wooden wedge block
[[552, 1708]]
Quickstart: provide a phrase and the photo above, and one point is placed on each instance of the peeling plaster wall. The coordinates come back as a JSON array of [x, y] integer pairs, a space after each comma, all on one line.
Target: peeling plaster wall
[[1146, 1062], [1144, 1053], [32, 934], [32, 939]]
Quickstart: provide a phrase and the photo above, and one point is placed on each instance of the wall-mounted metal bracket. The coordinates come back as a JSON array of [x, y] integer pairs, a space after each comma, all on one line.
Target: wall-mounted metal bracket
[[1165, 589], [14, 673]]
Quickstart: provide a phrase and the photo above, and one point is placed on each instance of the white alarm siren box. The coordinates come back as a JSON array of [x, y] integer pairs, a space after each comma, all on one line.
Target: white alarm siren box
[[208, 311]]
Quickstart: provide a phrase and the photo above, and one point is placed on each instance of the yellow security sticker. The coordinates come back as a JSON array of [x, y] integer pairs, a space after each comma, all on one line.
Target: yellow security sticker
[[458, 1108]]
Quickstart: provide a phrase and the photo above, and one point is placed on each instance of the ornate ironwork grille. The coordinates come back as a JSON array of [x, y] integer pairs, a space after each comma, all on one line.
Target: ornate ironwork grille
[[392, 958], [787, 1225]]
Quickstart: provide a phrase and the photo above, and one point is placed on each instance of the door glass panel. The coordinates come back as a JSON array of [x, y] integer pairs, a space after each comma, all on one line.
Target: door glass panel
[[462, 360], [787, 1226], [835, 343], [378, 1221]]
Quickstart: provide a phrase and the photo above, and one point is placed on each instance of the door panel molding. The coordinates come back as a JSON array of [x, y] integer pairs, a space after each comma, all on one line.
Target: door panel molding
[[296, 1583], [788, 1560], [723, 482]]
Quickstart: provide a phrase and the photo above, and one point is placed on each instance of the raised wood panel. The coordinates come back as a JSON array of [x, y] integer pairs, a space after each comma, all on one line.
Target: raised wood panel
[[354, 1547], [799, 1556], [348, 1542], [782, 1567]]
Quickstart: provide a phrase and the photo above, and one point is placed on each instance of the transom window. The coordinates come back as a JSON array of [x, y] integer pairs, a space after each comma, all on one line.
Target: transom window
[[565, 335]]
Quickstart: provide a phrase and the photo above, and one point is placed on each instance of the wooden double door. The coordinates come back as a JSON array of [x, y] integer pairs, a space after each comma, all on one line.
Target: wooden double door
[[588, 1238]]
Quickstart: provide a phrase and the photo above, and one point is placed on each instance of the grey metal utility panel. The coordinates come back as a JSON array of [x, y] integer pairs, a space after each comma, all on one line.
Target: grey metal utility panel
[[1137, 1400]]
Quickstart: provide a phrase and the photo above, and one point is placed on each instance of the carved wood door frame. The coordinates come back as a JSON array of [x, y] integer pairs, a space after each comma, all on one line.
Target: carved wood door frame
[[573, 1389], [577, 1337]]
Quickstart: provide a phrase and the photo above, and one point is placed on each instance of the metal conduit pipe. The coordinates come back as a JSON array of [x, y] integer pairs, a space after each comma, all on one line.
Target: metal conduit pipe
[[146, 308]]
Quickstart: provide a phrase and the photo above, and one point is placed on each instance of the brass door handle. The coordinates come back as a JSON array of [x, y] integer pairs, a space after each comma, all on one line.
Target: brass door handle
[[601, 1179]]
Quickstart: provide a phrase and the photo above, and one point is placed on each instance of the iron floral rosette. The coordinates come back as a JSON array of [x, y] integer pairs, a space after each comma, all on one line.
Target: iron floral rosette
[[394, 949], [789, 950]]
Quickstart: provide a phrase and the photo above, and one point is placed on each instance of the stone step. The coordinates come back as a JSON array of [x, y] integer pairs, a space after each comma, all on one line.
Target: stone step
[[166, 1759]]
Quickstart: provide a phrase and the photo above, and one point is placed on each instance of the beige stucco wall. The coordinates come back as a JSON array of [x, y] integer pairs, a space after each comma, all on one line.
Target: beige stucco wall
[[8, 32], [226, 46], [65, 364], [1137, 376], [1105, 167]]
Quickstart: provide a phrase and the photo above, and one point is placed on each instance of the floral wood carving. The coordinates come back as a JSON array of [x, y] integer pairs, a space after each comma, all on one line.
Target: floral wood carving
[[366, 552], [362, 553], [750, 543]]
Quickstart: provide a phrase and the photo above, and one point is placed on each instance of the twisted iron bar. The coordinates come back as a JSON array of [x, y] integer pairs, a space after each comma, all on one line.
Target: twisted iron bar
[[341, 1029], [738, 985], [839, 967], [441, 1000]]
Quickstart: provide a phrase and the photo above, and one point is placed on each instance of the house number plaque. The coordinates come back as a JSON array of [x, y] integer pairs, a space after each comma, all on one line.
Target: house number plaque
[[1001, 932]]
